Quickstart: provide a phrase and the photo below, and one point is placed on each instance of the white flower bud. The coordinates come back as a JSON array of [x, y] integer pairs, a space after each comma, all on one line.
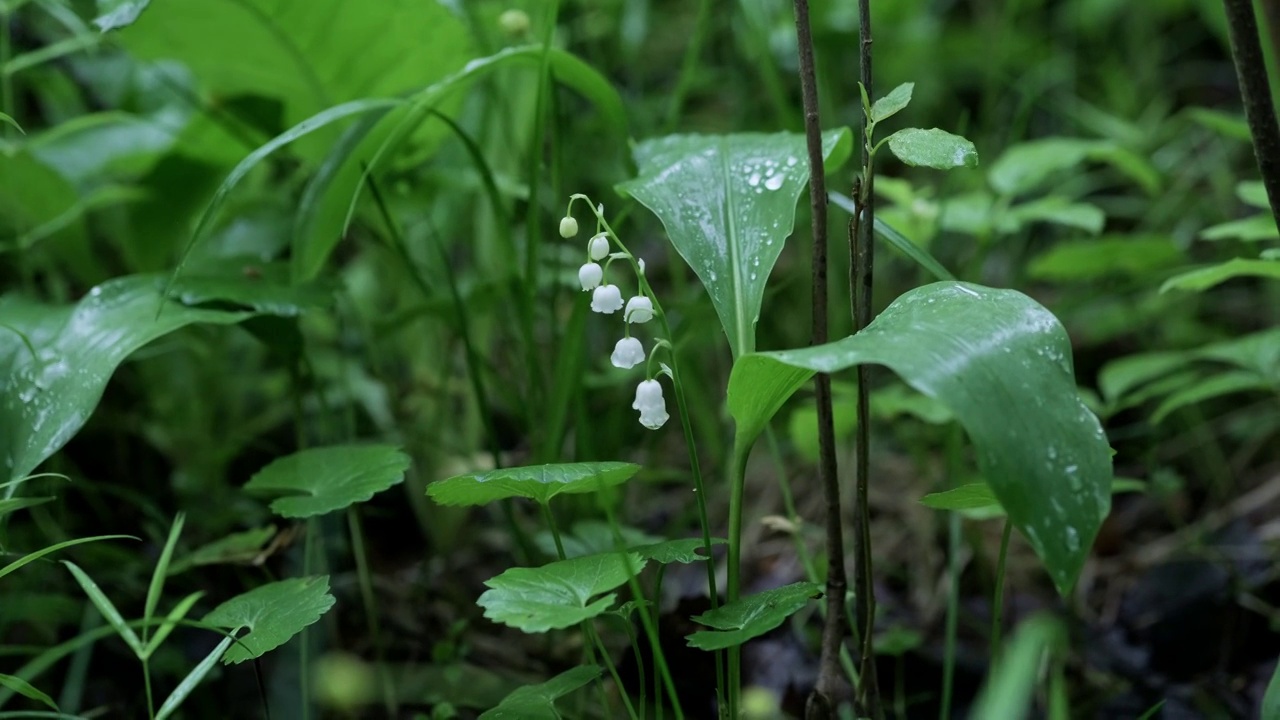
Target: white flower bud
[[627, 354], [639, 310], [598, 248], [568, 227], [606, 299], [640, 262], [514, 22], [590, 276], [653, 409]]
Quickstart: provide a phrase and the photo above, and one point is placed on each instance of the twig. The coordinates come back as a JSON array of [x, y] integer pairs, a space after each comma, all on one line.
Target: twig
[[860, 284], [820, 703], [1255, 90]]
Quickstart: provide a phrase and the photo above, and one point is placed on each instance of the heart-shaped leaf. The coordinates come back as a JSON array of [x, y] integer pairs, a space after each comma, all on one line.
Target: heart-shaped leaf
[[320, 480], [538, 702], [559, 594], [272, 614], [728, 203], [56, 361], [1002, 364], [752, 616], [933, 148], [536, 482]]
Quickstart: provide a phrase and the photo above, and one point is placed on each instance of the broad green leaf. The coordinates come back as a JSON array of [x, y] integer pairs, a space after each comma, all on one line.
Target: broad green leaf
[[1250, 229], [1271, 700], [933, 148], [751, 616], [538, 702], [115, 14], [272, 614], [270, 290], [106, 607], [728, 204], [46, 399], [1002, 364], [384, 49], [35, 202], [1012, 683], [965, 497], [893, 103], [320, 480], [1205, 278], [32, 557], [1025, 166], [1259, 352], [1059, 211], [1225, 383], [897, 240], [326, 204], [590, 537], [1119, 377], [234, 548], [536, 482], [684, 551], [1110, 256], [101, 147], [26, 689], [557, 595], [1253, 192]]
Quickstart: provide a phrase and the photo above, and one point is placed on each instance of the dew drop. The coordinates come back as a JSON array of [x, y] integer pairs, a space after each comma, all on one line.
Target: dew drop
[[774, 182]]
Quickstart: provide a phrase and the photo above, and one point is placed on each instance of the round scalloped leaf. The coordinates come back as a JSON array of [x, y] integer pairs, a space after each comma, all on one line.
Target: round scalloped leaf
[[559, 594], [320, 480], [752, 616], [272, 614], [536, 482], [538, 702]]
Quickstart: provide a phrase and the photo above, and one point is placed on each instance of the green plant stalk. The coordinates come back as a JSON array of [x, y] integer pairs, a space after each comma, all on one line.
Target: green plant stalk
[[953, 613], [146, 682], [737, 484], [613, 670], [650, 625], [683, 410], [997, 600], [6, 80], [370, 608]]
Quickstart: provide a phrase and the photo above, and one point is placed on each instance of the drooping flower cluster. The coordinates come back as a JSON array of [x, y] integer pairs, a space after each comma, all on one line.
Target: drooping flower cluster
[[607, 300]]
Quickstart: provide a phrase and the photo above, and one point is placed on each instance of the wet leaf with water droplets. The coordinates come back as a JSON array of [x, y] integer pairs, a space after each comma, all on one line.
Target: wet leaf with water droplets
[[1002, 364], [728, 203]]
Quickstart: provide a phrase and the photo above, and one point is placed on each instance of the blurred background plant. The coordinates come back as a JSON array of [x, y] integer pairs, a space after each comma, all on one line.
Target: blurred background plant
[[432, 306]]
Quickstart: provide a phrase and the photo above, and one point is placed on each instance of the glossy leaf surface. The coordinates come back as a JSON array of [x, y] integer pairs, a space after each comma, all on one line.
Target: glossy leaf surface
[[272, 614], [1002, 364], [538, 702], [320, 480], [559, 594], [933, 148], [46, 398], [728, 203], [536, 482], [751, 616]]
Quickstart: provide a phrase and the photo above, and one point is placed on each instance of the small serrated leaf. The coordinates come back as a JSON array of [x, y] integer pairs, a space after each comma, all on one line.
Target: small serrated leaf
[[752, 616], [273, 614], [320, 480], [559, 594], [536, 482], [538, 702], [933, 148]]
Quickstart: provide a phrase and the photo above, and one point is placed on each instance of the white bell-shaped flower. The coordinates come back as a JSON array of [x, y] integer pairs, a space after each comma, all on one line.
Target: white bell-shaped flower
[[639, 310], [627, 354], [598, 247], [653, 409], [568, 227], [590, 276], [606, 299]]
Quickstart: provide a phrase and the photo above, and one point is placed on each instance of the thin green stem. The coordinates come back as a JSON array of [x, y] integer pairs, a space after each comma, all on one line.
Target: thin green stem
[[737, 485], [613, 670], [304, 644], [146, 680], [555, 531], [997, 600], [953, 613], [371, 608]]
